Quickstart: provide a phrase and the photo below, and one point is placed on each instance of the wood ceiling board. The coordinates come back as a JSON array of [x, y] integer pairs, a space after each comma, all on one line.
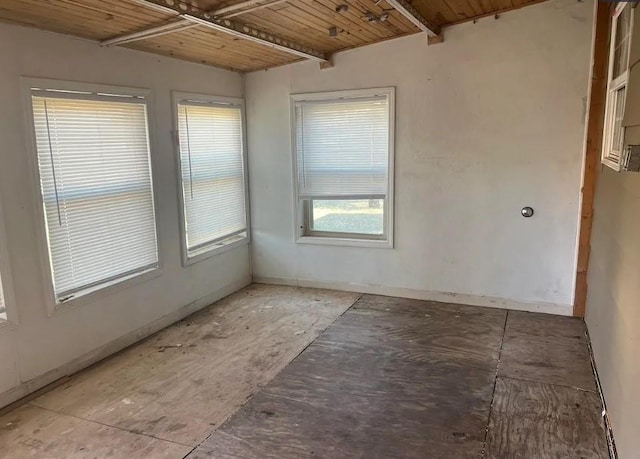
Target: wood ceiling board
[[95, 20], [298, 24], [209, 47], [304, 21], [308, 22], [450, 12], [89, 19]]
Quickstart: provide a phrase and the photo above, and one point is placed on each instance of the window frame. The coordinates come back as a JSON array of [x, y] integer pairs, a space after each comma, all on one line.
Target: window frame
[[211, 250], [614, 85], [111, 286], [302, 229]]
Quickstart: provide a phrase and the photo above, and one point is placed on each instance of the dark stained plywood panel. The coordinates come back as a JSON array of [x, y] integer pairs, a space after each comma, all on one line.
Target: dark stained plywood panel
[[544, 421], [387, 379], [546, 348], [281, 428], [430, 331]]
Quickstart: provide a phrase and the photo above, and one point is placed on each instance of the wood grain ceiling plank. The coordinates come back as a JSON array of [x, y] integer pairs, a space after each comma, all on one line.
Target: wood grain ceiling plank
[[201, 44], [354, 17], [324, 12], [73, 25], [297, 25], [209, 41], [397, 23]]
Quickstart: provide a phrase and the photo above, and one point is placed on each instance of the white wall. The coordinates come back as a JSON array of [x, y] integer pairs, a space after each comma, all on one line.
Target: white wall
[[613, 295], [487, 122], [38, 344]]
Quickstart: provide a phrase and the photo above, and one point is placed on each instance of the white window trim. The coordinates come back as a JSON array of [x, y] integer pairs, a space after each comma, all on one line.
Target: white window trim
[[208, 252], [614, 85], [299, 213], [112, 287], [11, 321]]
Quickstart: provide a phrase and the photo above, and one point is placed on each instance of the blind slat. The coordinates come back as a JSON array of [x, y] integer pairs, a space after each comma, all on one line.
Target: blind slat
[[212, 168], [95, 174], [342, 147]]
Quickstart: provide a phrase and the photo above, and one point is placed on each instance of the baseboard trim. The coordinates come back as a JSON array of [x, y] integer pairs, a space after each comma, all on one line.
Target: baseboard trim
[[15, 395], [429, 295]]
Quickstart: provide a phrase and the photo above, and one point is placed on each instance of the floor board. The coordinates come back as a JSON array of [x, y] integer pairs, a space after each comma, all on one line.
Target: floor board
[[546, 348], [282, 372], [32, 432], [190, 377], [545, 421]]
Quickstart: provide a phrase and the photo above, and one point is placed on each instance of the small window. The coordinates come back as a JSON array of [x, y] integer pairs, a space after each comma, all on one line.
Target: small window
[[95, 177], [613, 139], [212, 173], [344, 163]]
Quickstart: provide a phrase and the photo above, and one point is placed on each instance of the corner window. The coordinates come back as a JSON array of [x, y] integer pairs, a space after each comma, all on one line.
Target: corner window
[[212, 174], [613, 139], [95, 177], [343, 152]]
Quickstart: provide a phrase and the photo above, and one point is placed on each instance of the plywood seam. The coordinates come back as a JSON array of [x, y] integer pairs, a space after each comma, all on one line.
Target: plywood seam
[[215, 429], [93, 421], [495, 383]]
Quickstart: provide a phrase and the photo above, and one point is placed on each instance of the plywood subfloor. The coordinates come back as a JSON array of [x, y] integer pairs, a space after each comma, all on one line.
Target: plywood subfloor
[[256, 376], [172, 390]]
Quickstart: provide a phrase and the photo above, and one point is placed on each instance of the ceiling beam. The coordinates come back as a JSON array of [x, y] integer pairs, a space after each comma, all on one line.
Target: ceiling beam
[[184, 24], [408, 11], [237, 29]]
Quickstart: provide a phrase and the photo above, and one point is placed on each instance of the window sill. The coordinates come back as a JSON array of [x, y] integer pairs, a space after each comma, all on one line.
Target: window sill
[[611, 164], [345, 242], [211, 251], [110, 288]]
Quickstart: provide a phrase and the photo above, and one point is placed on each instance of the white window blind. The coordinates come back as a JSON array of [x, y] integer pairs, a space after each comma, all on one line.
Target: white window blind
[[342, 148], [212, 168], [95, 173]]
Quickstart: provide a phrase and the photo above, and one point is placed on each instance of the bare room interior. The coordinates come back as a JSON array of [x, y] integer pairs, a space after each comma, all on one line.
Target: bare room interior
[[319, 228]]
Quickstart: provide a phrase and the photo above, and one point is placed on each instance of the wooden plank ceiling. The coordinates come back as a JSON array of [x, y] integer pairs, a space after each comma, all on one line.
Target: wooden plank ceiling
[[307, 22]]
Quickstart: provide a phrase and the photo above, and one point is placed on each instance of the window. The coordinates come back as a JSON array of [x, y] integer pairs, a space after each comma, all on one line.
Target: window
[[95, 177], [212, 173], [613, 139], [344, 165]]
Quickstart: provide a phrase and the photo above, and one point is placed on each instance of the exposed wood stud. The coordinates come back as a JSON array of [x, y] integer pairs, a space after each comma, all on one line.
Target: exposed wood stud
[[595, 125], [237, 29], [435, 40], [408, 11], [327, 64]]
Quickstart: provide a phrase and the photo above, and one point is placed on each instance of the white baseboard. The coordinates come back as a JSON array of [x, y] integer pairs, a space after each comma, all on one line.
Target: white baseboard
[[119, 344], [429, 295]]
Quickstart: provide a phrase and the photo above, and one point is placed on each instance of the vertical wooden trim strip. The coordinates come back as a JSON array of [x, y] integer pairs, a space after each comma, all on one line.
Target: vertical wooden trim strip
[[595, 123]]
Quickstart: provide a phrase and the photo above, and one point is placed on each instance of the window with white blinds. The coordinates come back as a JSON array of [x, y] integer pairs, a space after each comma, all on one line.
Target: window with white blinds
[[344, 158], [95, 176], [211, 148], [619, 51]]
